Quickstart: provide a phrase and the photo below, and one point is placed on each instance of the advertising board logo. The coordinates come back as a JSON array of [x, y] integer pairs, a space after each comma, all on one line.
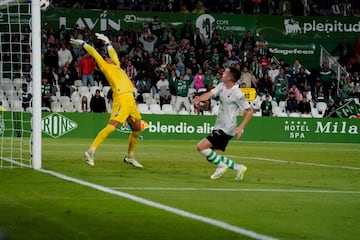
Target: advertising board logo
[[291, 26], [56, 125], [296, 129]]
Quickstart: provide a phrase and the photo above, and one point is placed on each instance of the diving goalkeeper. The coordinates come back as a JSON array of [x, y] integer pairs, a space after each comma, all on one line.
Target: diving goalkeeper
[[124, 108]]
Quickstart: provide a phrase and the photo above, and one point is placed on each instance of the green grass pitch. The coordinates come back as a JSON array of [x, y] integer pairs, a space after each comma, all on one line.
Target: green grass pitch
[[290, 191]]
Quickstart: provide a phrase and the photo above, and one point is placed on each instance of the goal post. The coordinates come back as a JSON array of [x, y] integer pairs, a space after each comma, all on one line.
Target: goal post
[[36, 73], [20, 84]]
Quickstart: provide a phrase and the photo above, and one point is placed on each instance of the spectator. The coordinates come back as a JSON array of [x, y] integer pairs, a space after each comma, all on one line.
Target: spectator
[[263, 45], [199, 81], [86, 69], [304, 106], [199, 9], [348, 89], [51, 58], [291, 103], [164, 89], [131, 71], [97, 103], [182, 88], [326, 76], [330, 110], [26, 96], [143, 85], [318, 92], [266, 106], [265, 85], [199, 39], [187, 31], [296, 91], [280, 86], [45, 92], [84, 104], [156, 27], [301, 80], [148, 41], [66, 81], [247, 78], [273, 71], [50, 75], [64, 56]]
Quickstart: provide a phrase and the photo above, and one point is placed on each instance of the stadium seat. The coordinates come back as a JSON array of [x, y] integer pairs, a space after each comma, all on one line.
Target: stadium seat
[[294, 114], [64, 99], [83, 90], [168, 109], [78, 83], [276, 110], [105, 90], [306, 116], [16, 106], [68, 107], [17, 82], [282, 105], [315, 113], [321, 107], [143, 108], [282, 114], [183, 112], [156, 109], [5, 104], [93, 89]]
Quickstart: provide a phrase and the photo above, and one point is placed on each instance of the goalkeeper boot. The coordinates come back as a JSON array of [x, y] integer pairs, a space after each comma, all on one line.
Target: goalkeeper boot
[[240, 171], [221, 168], [89, 158], [131, 160]]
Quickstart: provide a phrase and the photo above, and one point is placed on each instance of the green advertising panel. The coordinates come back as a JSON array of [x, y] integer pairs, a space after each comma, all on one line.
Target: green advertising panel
[[193, 127], [87, 125], [301, 37], [99, 20]]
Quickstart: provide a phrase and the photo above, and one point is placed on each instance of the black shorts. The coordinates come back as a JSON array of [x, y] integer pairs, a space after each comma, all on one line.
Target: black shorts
[[219, 139]]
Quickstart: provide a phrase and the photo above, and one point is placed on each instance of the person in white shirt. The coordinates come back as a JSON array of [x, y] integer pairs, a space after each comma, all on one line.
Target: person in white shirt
[[231, 100], [64, 55]]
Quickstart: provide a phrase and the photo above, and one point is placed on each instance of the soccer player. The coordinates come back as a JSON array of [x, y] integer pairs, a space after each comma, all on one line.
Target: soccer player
[[231, 101], [124, 109]]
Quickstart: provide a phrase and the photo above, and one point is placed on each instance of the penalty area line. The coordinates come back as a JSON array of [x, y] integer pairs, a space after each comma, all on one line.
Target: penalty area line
[[166, 208]]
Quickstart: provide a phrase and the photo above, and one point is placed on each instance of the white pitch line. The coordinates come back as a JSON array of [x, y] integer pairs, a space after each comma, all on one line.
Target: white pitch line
[[239, 190], [176, 211], [300, 163]]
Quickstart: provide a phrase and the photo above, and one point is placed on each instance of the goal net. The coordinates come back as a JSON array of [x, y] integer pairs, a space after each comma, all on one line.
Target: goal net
[[16, 84]]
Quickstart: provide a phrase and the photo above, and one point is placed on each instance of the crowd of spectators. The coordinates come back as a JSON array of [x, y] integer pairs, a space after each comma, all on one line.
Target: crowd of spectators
[[265, 7], [160, 64], [177, 66]]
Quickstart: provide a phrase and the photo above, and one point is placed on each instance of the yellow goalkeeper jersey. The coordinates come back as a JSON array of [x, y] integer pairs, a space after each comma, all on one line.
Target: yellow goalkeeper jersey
[[119, 81]]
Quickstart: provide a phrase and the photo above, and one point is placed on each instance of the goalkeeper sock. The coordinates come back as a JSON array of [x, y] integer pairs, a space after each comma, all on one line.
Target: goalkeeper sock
[[100, 138], [132, 140], [212, 156]]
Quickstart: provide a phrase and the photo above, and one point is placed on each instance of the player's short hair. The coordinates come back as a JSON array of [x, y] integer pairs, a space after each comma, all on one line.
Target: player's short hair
[[235, 73]]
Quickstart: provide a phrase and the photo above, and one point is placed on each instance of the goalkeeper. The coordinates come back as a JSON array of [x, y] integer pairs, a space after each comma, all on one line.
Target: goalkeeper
[[124, 108]]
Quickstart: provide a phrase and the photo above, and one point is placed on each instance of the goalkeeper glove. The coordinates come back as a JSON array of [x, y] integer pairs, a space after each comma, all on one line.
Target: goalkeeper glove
[[103, 37], [77, 42]]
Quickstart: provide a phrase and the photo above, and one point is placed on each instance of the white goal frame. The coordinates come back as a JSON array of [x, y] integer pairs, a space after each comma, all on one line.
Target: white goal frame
[[33, 124], [36, 75]]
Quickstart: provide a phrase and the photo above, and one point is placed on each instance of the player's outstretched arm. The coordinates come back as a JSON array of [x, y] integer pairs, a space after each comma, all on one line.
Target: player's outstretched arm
[[90, 49], [112, 53]]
